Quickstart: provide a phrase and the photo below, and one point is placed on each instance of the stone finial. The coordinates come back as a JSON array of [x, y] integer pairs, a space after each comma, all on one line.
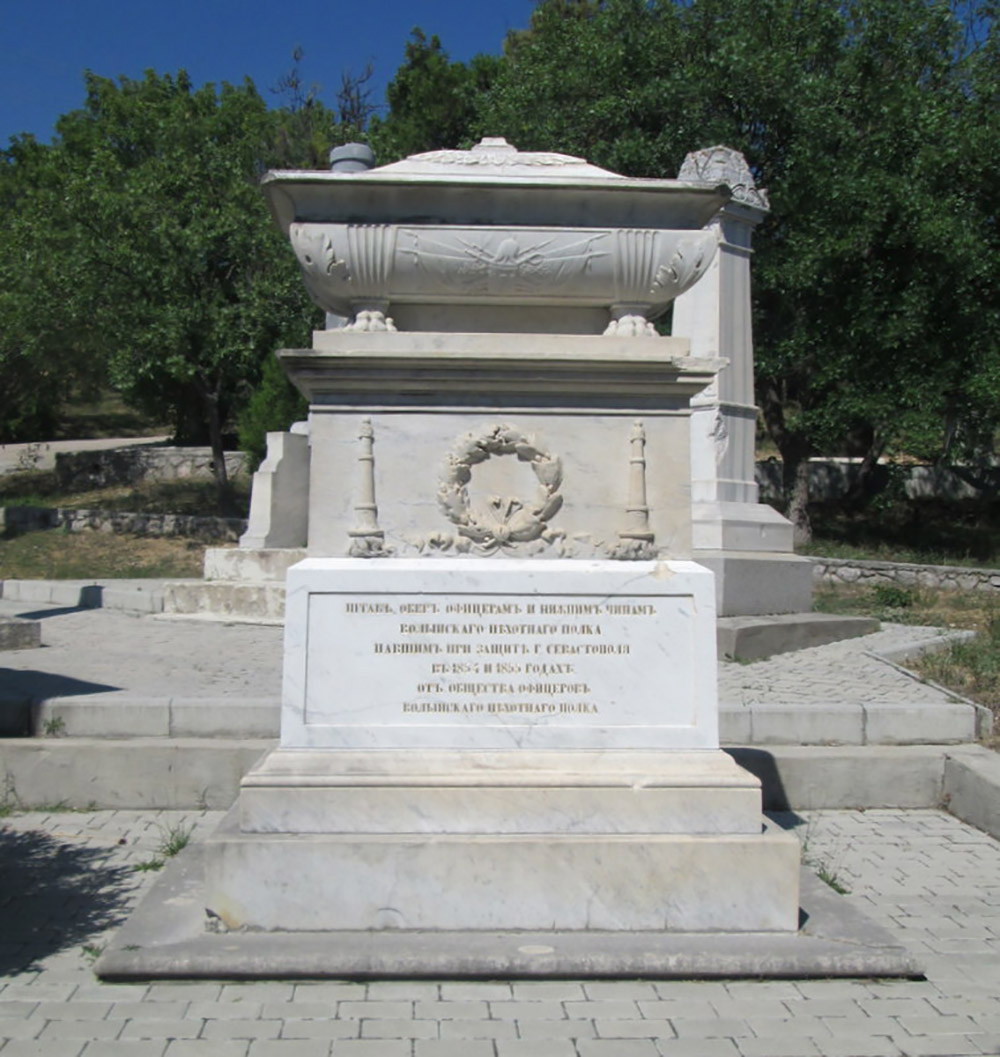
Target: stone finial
[[352, 157], [715, 165]]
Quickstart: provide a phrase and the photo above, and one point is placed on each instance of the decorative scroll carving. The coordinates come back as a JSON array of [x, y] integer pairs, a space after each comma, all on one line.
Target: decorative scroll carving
[[505, 520], [723, 165], [686, 265], [367, 539]]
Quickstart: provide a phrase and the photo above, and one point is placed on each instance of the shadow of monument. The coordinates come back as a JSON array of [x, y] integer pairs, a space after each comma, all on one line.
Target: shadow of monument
[[54, 895], [50, 611], [22, 689]]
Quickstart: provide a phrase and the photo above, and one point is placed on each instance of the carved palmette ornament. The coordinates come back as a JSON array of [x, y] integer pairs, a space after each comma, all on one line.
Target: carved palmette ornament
[[505, 520]]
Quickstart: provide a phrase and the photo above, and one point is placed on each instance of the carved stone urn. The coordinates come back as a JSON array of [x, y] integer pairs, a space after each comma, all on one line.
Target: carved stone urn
[[514, 240]]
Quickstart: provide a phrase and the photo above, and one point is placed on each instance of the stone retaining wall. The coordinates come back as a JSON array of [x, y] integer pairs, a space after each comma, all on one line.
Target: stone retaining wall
[[117, 466], [15, 519], [904, 574], [830, 479]]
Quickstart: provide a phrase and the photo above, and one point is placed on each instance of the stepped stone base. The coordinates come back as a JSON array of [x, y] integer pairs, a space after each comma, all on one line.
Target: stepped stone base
[[326, 840], [753, 583], [251, 603], [750, 638]]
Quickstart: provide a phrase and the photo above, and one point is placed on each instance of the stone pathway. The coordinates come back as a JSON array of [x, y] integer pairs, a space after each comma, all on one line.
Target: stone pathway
[[123, 651], [66, 879], [842, 673]]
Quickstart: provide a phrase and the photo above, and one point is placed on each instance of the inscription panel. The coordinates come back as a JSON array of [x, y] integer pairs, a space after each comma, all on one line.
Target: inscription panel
[[497, 669]]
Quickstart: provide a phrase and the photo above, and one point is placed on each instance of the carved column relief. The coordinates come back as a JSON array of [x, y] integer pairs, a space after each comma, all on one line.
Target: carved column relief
[[637, 510], [367, 539]]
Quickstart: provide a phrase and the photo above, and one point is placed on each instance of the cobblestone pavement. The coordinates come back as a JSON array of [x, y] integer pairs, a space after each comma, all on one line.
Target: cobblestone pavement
[[844, 673], [66, 879]]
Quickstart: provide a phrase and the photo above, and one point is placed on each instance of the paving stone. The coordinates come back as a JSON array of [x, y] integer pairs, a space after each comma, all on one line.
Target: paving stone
[[289, 1048], [323, 1028], [940, 1046], [321, 991], [258, 991], [617, 990], [697, 1047], [21, 1028], [478, 1029], [472, 989], [207, 1048], [403, 990], [382, 1010], [452, 1048], [616, 1048], [241, 1029], [712, 1028], [556, 1029], [124, 1048], [225, 1010], [541, 990], [81, 1029], [607, 1009], [536, 1048], [434, 1010], [48, 1048], [155, 1028], [527, 1011], [781, 1047], [371, 1048], [635, 1029], [399, 1029], [682, 1009]]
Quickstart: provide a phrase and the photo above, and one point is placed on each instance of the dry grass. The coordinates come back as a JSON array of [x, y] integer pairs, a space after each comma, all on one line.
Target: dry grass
[[40, 488], [972, 668], [53, 554]]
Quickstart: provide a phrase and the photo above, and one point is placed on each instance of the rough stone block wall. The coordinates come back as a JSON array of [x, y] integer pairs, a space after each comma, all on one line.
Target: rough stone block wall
[[119, 466], [904, 574]]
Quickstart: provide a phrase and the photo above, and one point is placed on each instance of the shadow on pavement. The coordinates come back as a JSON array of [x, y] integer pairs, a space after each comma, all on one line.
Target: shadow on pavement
[[54, 895], [61, 611], [39, 686]]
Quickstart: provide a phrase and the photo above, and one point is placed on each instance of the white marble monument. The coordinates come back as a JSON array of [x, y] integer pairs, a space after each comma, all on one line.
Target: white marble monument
[[499, 704], [747, 544]]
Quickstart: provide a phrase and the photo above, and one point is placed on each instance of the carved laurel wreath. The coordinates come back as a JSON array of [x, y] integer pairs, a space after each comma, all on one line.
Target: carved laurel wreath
[[506, 520]]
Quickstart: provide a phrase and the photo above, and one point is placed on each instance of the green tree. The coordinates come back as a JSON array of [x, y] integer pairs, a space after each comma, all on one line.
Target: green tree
[[869, 123], [185, 283], [432, 100]]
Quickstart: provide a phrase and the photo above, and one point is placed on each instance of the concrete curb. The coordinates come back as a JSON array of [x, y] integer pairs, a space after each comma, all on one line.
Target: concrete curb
[[189, 773], [971, 787], [136, 596], [133, 773]]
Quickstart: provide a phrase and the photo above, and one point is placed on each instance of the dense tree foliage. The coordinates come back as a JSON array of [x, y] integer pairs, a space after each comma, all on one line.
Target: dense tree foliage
[[158, 260], [870, 122]]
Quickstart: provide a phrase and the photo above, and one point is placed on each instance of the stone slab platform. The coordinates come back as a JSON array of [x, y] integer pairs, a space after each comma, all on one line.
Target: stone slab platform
[[167, 938]]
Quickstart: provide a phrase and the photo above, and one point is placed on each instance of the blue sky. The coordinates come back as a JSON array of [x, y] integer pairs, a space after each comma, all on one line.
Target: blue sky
[[47, 44]]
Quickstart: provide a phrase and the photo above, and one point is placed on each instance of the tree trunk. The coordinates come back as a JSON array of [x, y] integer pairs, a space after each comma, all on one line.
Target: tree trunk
[[223, 487], [795, 451], [795, 484]]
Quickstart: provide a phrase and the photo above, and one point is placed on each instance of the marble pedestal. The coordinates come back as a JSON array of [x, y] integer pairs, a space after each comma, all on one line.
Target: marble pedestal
[[506, 745]]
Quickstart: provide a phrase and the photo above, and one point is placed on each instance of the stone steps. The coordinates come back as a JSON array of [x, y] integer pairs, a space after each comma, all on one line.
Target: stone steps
[[187, 773]]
